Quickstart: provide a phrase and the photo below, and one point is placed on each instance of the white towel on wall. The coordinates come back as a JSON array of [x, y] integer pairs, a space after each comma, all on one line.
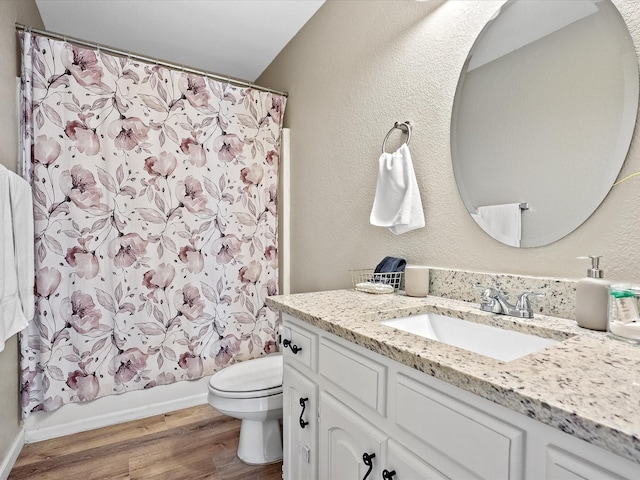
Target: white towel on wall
[[502, 222], [17, 302], [397, 204]]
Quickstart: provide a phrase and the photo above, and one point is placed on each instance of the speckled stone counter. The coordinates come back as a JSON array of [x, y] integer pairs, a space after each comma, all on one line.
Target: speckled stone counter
[[588, 385]]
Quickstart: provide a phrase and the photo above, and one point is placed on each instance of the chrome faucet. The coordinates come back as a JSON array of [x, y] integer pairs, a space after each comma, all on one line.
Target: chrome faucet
[[491, 300]]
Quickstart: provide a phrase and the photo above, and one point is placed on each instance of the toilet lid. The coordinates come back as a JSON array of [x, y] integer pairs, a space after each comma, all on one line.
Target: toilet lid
[[259, 375]]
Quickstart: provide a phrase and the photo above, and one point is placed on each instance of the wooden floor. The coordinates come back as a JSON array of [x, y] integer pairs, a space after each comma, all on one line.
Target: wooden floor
[[196, 443]]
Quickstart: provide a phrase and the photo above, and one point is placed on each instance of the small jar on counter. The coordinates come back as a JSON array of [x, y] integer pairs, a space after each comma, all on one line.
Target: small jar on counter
[[624, 316], [416, 280]]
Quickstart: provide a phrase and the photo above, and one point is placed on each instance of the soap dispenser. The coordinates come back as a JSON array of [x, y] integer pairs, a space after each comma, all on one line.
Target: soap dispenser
[[592, 297]]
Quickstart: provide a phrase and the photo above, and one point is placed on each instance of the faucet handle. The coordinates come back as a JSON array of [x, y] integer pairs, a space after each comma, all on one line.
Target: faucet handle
[[489, 299], [487, 292], [523, 302]]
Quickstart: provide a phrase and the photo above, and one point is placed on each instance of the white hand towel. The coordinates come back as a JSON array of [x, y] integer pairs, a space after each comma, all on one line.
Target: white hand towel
[[397, 204], [502, 222], [16, 255]]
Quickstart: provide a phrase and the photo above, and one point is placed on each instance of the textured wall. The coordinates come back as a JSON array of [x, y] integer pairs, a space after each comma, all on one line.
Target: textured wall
[[25, 12], [354, 69]]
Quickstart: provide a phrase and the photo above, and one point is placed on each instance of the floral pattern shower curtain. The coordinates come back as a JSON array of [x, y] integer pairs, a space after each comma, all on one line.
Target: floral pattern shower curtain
[[155, 204]]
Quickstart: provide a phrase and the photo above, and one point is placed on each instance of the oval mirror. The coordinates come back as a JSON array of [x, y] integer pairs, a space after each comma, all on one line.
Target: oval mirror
[[543, 117]]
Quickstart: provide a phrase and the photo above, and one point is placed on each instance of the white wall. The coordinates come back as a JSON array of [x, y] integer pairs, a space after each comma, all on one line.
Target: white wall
[[354, 69]]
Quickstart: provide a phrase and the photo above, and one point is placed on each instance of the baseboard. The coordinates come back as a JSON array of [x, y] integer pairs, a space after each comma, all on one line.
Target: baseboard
[[106, 411], [10, 460]]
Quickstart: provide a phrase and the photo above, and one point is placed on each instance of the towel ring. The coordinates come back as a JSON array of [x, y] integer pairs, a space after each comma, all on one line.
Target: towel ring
[[406, 129]]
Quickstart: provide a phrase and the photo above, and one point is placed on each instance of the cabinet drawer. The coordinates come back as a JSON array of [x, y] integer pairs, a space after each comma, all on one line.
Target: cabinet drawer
[[563, 465], [483, 445], [303, 342], [408, 466], [363, 379]]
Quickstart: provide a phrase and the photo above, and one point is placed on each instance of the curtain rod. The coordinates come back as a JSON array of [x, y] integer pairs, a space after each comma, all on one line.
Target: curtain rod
[[155, 61]]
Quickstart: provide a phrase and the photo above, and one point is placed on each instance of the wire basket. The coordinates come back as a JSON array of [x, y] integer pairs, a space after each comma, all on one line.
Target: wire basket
[[367, 280]]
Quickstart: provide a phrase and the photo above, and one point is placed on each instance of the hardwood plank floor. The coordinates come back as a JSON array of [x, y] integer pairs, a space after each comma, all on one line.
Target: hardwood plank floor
[[192, 444]]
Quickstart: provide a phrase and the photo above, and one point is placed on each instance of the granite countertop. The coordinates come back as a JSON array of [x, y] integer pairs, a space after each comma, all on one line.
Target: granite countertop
[[588, 385]]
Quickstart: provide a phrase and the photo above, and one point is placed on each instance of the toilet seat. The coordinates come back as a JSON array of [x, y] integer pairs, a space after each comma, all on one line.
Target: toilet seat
[[259, 377]]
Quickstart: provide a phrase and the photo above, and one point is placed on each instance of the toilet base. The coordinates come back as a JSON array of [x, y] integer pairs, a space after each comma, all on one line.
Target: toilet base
[[260, 442]]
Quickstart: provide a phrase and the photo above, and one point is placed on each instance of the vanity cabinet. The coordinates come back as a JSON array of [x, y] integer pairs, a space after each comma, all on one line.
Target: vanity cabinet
[[372, 417]]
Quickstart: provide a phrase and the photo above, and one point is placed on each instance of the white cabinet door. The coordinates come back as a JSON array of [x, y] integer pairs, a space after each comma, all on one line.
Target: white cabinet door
[[400, 464], [470, 442], [350, 447], [300, 425]]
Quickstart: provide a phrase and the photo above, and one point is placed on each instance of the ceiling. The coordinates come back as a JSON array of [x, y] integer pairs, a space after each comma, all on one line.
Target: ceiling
[[236, 38]]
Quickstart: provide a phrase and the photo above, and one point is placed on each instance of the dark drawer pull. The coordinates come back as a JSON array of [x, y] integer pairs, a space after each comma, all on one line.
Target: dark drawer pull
[[368, 461], [294, 348], [303, 402], [388, 475]]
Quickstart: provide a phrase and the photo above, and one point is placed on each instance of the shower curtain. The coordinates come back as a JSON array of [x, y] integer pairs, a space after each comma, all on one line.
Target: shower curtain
[[155, 223]]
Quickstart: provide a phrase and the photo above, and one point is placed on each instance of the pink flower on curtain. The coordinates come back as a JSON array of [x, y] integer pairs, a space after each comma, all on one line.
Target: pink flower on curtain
[[128, 133], [125, 250], [79, 312], [47, 281], [85, 263], [250, 273], [52, 403], [277, 107], [228, 146], [252, 175], [85, 385], [192, 364], [189, 303], [272, 157], [125, 366], [86, 139], [160, 277], [192, 258], [272, 287], [83, 65], [272, 201], [194, 90], [27, 384], [270, 346], [162, 379], [189, 192], [226, 248], [79, 185], [163, 165], [46, 150], [225, 348], [195, 151], [271, 255]]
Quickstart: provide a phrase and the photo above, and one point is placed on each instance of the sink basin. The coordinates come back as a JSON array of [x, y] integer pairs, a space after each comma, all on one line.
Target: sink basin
[[494, 342]]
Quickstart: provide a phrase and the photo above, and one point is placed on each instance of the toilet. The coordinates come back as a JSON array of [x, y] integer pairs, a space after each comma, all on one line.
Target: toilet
[[252, 391]]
